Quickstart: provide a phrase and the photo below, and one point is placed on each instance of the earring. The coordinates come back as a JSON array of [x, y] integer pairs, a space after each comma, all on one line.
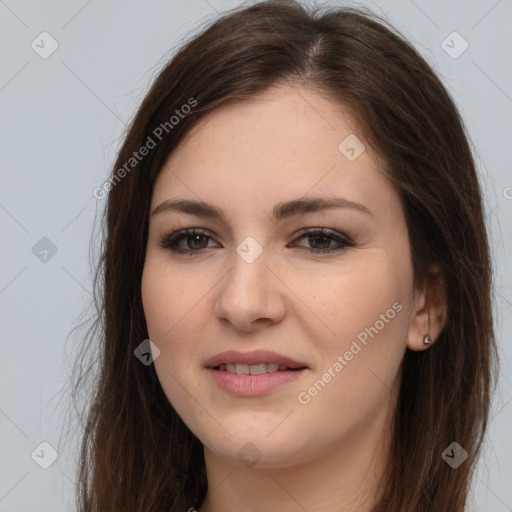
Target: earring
[[428, 340]]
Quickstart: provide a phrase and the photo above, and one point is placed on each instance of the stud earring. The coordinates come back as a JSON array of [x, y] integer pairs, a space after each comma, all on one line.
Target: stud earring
[[427, 340]]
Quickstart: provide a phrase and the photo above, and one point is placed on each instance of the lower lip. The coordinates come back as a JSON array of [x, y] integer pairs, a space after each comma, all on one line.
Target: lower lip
[[253, 385]]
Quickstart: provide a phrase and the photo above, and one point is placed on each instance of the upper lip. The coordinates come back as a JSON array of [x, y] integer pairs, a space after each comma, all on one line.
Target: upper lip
[[254, 357]]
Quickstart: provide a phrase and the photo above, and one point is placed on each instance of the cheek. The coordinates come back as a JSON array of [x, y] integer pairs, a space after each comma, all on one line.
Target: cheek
[[365, 307], [169, 299], [177, 308], [158, 303], [354, 296], [172, 311]]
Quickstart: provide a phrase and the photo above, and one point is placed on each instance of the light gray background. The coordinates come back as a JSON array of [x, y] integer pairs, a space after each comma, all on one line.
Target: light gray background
[[61, 122]]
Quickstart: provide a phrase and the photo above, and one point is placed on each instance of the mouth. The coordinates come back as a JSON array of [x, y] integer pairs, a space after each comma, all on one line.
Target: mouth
[[256, 362], [253, 373], [255, 369]]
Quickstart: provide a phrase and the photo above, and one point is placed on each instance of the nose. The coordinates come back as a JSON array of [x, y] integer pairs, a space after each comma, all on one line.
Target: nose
[[250, 297]]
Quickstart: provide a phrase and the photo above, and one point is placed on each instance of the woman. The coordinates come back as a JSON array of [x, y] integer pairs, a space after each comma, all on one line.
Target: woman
[[295, 222]]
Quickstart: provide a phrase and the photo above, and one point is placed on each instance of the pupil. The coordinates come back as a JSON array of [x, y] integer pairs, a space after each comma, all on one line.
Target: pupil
[[194, 239], [319, 237]]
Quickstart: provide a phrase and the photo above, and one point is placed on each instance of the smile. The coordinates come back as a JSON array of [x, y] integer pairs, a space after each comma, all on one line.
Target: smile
[[254, 373], [253, 369]]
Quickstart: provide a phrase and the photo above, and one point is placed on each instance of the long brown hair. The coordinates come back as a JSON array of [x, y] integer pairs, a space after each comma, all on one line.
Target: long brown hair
[[136, 453]]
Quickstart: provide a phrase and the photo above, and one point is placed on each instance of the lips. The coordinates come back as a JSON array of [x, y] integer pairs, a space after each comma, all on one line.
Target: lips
[[257, 357], [250, 374]]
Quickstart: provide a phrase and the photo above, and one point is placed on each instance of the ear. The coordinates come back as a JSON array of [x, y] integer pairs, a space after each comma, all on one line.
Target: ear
[[431, 307]]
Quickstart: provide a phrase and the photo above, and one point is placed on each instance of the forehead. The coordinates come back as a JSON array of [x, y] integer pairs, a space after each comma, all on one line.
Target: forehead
[[280, 145], [283, 123]]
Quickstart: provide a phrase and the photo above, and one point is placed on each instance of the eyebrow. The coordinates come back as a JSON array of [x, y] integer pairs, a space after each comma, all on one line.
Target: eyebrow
[[281, 210]]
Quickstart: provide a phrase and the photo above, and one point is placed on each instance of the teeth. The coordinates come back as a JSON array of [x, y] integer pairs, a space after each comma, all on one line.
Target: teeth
[[258, 369], [252, 369], [242, 369]]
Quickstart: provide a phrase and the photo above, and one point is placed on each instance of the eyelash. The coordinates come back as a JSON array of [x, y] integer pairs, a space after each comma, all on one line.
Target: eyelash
[[170, 240]]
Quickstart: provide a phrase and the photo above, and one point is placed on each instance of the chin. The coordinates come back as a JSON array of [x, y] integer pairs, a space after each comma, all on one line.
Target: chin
[[258, 444]]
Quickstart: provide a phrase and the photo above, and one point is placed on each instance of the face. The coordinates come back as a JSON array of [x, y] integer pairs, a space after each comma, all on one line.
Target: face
[[323, 295]]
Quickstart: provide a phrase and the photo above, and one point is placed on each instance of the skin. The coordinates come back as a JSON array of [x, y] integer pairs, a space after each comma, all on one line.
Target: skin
[[245, 157]]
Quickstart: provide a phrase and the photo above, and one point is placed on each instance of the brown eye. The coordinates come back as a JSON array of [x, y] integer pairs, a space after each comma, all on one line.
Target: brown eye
[[321, 240], [194, 241]]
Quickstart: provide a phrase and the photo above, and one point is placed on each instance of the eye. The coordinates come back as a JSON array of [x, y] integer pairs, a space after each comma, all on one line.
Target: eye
[[196, 240], [323, 237]]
